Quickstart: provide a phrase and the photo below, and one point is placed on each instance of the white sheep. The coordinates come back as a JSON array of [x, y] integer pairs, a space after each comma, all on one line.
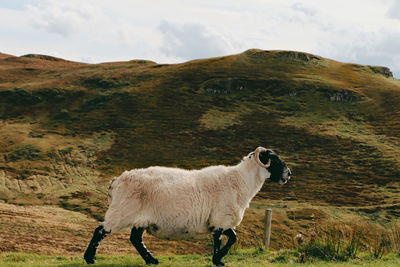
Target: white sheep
[[173, 203]]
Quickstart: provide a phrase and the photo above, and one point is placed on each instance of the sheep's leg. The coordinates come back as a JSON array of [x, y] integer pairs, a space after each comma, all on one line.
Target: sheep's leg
[[137, 242], [230, 233], [98, 235], [217, 235]]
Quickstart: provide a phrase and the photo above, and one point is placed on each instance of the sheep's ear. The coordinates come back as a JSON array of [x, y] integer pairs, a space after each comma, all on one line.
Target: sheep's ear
[[265, 156]]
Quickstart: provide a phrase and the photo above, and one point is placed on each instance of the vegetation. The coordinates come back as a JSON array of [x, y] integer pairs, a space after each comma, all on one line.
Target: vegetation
[[249, 257], [334, 246], [68, 127]]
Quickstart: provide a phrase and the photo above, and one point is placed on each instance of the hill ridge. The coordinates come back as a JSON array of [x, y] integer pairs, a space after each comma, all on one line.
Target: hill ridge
[[291, 54]]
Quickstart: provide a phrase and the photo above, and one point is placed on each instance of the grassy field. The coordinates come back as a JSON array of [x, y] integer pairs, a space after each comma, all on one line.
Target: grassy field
[[66, 128], [52, 230], [239, 258]]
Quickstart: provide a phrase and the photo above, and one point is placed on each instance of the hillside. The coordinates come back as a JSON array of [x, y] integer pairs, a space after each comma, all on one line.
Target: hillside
[[68, 127]]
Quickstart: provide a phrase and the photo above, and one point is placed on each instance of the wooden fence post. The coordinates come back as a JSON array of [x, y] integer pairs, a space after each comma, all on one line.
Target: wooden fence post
[[267, 228]]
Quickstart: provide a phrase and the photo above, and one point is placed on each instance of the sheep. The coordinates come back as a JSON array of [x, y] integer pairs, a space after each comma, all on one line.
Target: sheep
[[172, 203]]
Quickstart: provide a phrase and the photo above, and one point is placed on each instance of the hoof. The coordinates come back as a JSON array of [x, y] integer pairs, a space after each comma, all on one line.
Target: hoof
[[89, 260], [218, 263], [152, 261]]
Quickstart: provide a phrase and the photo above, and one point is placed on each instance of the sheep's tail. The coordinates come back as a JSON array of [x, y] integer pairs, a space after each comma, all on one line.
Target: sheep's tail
[[110, 188]]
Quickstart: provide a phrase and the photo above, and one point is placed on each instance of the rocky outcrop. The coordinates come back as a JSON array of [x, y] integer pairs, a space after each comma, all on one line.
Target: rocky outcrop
[[257, 54], [382, 70], [341, 96], [297, 55], [44, 57], [224, 91]]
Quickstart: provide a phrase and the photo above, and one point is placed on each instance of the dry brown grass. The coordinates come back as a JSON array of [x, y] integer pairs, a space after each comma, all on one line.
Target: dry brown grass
[[53, 230]]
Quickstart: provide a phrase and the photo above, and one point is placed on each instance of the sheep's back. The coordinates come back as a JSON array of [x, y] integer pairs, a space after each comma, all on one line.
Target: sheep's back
[[169, 199]]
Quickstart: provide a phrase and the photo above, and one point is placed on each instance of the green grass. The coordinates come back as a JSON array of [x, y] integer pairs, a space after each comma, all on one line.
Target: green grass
[[250, 257]]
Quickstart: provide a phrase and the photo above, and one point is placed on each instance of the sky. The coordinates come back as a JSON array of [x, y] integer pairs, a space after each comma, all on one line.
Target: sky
[[93, 31]]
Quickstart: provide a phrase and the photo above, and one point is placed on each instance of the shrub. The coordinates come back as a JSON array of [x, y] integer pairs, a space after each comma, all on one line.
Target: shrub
[[395, 239], [381, 245], [333, 244], [27, 152]]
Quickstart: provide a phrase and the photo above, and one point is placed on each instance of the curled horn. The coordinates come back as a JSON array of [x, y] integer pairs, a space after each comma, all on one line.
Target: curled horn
[[257, 157]]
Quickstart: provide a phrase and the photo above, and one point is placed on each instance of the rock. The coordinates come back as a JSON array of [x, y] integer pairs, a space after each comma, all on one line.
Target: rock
[[341, 96], [382, 70], [257, 53], [297, 55], [44, 57]]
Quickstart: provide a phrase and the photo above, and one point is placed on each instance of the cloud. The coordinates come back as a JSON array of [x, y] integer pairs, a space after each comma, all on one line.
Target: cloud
[[190, 41], [303, 8], [394, 10], [15, 4], [385, 52], [379, 48], [60, 17]]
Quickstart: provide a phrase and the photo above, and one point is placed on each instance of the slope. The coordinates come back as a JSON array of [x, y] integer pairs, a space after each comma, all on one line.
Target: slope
[[68, 127]]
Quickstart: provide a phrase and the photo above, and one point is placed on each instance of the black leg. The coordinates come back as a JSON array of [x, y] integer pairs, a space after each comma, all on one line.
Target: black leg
[[98, 235], [137, 242], [217, 235], [230, 233]]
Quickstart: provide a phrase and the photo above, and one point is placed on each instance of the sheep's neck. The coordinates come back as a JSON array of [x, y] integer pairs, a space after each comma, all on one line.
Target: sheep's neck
[[252, 178]]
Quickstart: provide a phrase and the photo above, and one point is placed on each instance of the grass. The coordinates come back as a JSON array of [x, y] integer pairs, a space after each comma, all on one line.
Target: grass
[[72, 230], [67, 128], [249, 257], [335, 245]]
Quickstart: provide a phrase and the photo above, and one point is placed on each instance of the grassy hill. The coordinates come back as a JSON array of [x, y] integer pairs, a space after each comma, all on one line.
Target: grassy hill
[[68, 127]]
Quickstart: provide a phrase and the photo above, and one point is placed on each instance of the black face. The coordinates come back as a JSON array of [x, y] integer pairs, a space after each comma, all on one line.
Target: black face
[[279, 171]]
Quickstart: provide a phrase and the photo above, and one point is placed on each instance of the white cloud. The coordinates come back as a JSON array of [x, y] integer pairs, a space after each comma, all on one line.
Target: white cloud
[[61, 17], [304, 8], [384, 51], [190, 41], [394, 9]]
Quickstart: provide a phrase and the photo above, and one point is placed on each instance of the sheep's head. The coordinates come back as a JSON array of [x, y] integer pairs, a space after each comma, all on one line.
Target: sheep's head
[[267, 158]]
